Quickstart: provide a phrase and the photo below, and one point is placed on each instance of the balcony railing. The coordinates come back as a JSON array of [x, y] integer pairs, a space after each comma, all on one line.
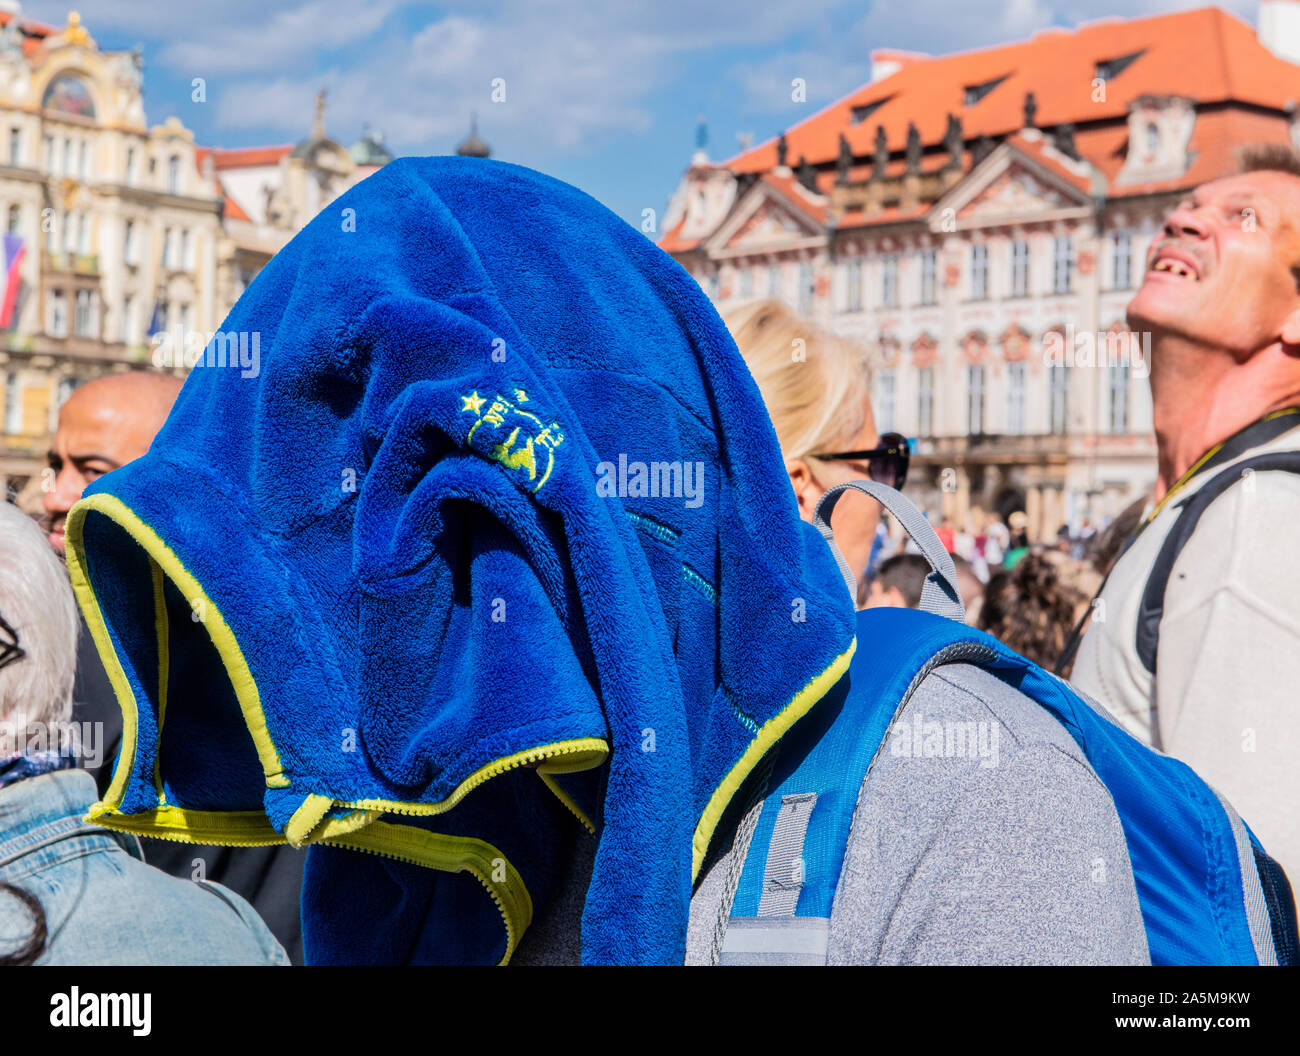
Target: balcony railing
[[79, 263]]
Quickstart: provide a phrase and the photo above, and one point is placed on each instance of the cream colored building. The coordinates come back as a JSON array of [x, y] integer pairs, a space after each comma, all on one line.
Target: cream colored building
[[126, 229], [979, 222]]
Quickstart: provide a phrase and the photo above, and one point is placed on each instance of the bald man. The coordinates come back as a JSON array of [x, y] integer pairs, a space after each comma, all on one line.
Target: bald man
[[105, 424]]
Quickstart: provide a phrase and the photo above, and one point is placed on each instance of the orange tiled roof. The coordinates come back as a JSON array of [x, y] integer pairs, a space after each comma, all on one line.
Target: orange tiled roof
[[242, 157], [672, 242], [1205, 54], [234, 211]]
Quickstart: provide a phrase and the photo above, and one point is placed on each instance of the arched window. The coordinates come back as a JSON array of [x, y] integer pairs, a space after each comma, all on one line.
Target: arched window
[[67, 94], [1153, 137]]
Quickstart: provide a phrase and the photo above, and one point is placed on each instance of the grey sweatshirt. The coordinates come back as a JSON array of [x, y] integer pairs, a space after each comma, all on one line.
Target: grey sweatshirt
[[1015, 857]]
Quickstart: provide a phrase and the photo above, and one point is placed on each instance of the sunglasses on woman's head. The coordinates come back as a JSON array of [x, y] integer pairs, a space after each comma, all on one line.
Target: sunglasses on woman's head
[[10, 650], [886, 464]]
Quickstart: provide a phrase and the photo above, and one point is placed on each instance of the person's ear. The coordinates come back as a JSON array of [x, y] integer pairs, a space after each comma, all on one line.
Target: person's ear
[[806, 491]]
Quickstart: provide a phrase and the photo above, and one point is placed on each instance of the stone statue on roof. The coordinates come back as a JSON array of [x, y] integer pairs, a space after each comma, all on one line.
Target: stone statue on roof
[[806, 174], [782, 151], [881, 155], [845, 160], [1031, 109], [952, 139], [913, 152], [1063, 140]]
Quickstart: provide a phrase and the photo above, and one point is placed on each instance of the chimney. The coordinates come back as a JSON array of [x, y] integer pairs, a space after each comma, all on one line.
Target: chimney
[[1279, 28], [885, 62]]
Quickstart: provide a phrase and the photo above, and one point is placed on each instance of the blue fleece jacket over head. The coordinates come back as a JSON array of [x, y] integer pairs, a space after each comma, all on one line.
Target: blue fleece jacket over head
[[468, 523]]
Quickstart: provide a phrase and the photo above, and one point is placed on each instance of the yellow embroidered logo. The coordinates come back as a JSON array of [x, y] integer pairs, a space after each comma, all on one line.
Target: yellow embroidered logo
[[523, 441]]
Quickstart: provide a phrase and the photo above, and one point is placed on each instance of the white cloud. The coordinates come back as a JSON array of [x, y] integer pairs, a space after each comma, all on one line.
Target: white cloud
[[576, 72]]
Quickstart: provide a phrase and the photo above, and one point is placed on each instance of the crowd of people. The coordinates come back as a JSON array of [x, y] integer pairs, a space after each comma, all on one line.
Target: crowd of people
[[944, 863]]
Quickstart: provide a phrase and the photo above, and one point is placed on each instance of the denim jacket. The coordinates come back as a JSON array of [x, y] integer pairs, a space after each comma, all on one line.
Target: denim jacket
[[103, 904]]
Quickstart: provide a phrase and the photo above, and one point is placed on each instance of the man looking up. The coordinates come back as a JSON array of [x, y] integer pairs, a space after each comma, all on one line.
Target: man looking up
[[1207, 668]]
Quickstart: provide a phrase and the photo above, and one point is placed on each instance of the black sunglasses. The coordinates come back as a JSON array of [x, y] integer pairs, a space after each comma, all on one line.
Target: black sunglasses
[[10, 650], [886, 464]]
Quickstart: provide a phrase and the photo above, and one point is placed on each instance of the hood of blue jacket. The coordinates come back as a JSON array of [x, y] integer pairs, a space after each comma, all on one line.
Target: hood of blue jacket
[[468, 531]]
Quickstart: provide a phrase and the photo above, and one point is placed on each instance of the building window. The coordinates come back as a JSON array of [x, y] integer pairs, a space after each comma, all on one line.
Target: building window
[[84, 320], [889, 282], [1119, 398], [52, 232], [805, 288], [129, 248], [925, 401], [48, 144], [58, 314], [747, 283], [185, 319], [974, 400], [187, 250], [979, 272], [1062, 264], [174, 174], [1015, 398], [168, 255], [1153, 138], [13, 404], [130, 326], [67, 169], [15, 219], [1020, 268], [130, 165], [929, 263], [15, 146], [83, 234], [1121, 260], [885, 402], [774, 281], [1058, 387], [67, 384], [853, 285]]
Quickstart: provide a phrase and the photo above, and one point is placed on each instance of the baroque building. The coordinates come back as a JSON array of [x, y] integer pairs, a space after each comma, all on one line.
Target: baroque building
[[117, 232], [979, 221]]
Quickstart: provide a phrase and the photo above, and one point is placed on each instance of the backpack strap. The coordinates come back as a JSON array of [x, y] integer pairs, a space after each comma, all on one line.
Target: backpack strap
[[781, 907], [939, 594], [1152, 607]]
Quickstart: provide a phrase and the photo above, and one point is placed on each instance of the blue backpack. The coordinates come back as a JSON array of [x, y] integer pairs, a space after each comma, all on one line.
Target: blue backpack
[[1208, 892]]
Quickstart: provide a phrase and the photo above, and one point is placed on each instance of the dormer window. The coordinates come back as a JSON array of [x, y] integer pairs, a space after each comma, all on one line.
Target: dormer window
[[1159, 139], [976, 92], [1109, 69], [860, 113]]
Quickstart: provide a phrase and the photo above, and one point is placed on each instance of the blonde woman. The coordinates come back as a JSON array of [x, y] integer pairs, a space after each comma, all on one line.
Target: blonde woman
[[815, 387]]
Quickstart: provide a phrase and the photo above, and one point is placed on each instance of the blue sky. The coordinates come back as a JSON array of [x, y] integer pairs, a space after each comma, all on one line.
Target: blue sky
[[603, 95]]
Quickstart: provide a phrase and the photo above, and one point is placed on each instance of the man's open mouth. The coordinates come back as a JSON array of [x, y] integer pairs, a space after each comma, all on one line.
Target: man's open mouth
[[1177, 264]]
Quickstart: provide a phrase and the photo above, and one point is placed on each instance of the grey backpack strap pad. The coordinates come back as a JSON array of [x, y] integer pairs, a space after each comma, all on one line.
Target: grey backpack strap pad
[[939, 594]]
